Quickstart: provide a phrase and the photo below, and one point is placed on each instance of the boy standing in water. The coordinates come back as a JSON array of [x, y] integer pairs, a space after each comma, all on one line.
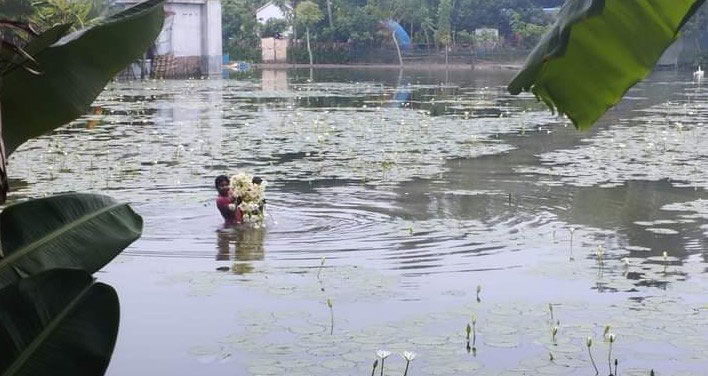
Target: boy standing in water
[[226, 202]]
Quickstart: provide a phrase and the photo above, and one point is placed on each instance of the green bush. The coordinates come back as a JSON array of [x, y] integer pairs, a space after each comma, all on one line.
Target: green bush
[[320, 55], [241, 52]]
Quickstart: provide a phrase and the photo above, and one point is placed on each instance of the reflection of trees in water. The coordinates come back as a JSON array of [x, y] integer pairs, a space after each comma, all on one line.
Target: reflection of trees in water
[[247, 246]]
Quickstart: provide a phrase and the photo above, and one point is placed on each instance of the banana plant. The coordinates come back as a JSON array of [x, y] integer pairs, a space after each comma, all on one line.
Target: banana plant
[[74, 69], [55, 320], [60, 322], [597, 50], [75, 230]]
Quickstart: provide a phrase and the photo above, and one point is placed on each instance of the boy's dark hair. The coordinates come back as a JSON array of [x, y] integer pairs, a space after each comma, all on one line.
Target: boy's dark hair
[[219, 179], [257, 180]]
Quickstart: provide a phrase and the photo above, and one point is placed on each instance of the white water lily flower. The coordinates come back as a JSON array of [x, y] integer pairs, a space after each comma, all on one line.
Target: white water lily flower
[[383, 354], [408, 355]]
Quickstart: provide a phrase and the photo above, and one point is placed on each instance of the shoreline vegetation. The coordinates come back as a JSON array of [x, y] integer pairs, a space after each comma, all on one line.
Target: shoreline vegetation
[[486, 65]]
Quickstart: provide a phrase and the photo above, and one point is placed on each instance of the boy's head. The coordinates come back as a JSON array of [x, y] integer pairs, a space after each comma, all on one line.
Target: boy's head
[[257, 180], [222, 184]]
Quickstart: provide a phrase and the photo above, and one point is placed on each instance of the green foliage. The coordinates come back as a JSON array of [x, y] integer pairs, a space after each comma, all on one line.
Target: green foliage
[[323, 55], [583, 73], [49, 13], [238, 22], [464, 37], [273, 27], [61, 232], [358, 21], [244, 52], [74, 73], [526, 34], [444, 29], [16, 9], [307, 13], [58, 322]]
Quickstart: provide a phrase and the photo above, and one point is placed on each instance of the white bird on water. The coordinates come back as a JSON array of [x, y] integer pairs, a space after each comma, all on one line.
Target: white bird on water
[[698, 74]]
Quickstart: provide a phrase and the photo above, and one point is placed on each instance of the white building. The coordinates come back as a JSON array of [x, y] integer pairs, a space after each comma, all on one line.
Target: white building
[[271, 11], [190, 41]]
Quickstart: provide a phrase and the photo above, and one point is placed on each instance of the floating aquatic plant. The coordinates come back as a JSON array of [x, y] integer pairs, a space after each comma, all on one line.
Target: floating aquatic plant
[[666, 260], [319, 270], [331, 316], [571, 258], [554, 331], [611, 339], [600, 254], [382, 354], [588, 343], [408, 356]]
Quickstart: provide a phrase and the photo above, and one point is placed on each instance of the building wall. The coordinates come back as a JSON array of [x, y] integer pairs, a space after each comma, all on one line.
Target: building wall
[[211, 38], [190, 41], [186, 29]]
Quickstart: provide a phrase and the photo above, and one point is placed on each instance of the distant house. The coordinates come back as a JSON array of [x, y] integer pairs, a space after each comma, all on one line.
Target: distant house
[[190, 41], [271, 11]]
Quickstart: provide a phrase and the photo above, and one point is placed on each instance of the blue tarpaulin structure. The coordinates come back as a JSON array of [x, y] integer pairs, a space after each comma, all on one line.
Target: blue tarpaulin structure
[[404, 41]]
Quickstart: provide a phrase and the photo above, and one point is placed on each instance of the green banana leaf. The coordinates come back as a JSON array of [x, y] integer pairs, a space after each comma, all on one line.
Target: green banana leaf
[[597, 50], [74, 71], [77, 231], [46, 39], [59, 322]]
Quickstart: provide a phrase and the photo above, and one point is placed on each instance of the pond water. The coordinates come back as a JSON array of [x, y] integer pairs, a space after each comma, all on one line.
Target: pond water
[[416, 203]]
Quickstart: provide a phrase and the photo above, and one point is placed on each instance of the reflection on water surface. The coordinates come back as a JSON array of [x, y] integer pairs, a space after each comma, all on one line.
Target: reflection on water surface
[[416, 187]]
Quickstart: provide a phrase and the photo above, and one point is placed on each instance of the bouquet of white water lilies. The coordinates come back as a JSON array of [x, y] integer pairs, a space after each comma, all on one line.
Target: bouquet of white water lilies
[[252, 196]]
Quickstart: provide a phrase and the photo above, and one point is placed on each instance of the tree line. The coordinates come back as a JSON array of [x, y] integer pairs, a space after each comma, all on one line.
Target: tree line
[[429, 23]]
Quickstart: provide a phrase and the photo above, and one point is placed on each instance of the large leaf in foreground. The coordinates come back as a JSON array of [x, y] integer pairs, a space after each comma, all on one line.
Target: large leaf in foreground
[[597, 50], [59, 322], [79, 231], [74, 71]]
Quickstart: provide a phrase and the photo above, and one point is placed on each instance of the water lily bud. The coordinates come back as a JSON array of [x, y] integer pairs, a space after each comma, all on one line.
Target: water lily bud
[[611, 337], [329, 302], [468, 330], [588, 341]]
